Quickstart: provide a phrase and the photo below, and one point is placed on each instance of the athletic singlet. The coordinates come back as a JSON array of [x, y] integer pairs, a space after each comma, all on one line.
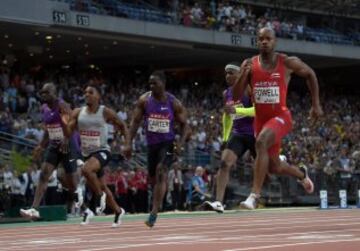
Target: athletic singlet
[[52, 120], [93, 131], [159, 120], [269, 89]]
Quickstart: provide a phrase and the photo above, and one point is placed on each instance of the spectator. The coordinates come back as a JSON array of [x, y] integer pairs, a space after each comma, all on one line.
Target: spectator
[[197, 191]]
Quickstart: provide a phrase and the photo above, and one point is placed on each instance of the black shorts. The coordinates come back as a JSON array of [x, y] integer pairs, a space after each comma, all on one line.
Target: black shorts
[[160, 153], [103, 157], [54, 156], [239, 144]]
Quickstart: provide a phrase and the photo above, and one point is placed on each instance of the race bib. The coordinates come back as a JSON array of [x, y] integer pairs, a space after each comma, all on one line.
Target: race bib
[[158, 125], [267, 95], [90, 140], [55, 132]]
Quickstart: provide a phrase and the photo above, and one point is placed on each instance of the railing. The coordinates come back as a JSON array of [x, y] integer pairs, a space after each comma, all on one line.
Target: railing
[[13, 139]]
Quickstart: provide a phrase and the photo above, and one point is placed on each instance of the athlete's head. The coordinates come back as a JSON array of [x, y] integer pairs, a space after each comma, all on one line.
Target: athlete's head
[[157, 81], [266, 40], [230, 70], [48, 93], [92, 94]]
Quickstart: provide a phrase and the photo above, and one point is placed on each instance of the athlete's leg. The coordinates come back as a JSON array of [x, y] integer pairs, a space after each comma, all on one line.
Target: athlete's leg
[[283, 168], [264, 141], [159, 188], [89, 170], [228, 160], [109, 196], [46, 171]]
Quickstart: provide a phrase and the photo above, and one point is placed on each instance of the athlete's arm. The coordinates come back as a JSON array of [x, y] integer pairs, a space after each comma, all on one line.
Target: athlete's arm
[[242, 111], [42, 145], [72, 124], [65, 112], [242, 80], [226, 122], [137, 116], [245, 111], [295, 65], [181, 117], [112, 118]]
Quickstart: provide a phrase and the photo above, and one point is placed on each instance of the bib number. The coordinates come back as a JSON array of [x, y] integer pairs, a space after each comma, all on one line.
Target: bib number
[[90, 140], [267, 95], [158, 125], [55, 132]]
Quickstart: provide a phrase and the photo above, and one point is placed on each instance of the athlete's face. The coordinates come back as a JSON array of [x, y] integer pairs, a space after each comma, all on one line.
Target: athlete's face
[[266, 41], [91, 95], [156, 85], [230, 76]]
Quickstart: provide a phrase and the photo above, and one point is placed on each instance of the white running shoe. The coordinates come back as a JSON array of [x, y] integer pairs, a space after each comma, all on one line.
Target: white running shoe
[[118, 218], [88, 215], [102, 207], [80, 197], [250, 203], [31, 213], [217, 206], [306, 182]]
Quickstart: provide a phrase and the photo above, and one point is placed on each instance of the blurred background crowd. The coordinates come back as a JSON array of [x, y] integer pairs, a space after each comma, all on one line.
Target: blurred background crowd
[[329, 147]]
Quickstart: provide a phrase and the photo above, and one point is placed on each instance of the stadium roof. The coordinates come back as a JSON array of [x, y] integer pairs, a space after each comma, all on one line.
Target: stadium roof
[[344, 8]]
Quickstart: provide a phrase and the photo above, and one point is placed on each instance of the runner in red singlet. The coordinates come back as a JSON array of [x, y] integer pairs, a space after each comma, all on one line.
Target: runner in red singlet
[[268, 75]]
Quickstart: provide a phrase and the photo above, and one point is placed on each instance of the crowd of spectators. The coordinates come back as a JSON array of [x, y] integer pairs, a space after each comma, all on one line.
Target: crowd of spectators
[[330, 146], [240, 19], [232, 16]]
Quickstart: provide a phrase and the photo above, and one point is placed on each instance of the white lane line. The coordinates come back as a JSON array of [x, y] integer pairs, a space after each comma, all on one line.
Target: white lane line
[[166, 227], [254, 238], [293, 244]]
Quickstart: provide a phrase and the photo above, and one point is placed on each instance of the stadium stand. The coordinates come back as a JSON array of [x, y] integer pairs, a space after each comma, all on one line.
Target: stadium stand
[[239, 16]]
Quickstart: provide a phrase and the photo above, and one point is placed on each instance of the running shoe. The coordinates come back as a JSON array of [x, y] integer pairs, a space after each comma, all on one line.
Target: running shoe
[[88, 215], [251, 202], [31, 213], [118, 218], [217, 206], [306, 181], [150, 222]]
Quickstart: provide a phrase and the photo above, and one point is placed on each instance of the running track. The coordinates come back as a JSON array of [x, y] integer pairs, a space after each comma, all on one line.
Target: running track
[[281, 229]]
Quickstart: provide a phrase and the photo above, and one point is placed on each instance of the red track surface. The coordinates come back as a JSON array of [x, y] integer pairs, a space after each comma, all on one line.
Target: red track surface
[[329, 230]]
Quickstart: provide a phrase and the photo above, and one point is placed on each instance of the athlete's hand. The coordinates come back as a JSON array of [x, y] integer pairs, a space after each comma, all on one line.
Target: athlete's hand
[[245, 68], [127, 150], [316, 112], [229, 109], [37, 152]]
